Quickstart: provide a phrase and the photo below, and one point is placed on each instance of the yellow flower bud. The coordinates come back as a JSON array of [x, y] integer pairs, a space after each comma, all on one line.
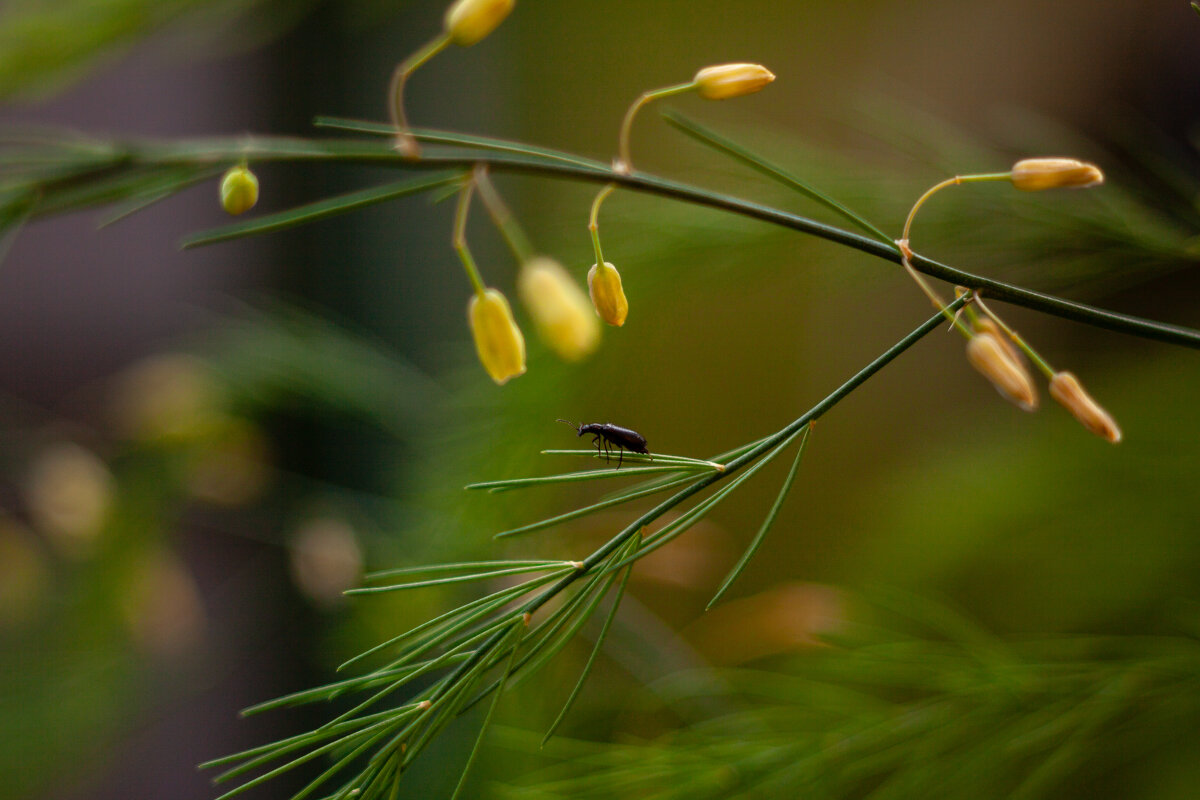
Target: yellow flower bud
[[468, 21], [1066, 389], [1010, 378], [559, 308], [731, 80], [498, 340], [239, 190], [1035, 174], [608, 298], [988, 325]]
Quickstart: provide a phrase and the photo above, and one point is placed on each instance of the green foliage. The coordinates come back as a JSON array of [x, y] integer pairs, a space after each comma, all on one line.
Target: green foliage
[[895, 710]]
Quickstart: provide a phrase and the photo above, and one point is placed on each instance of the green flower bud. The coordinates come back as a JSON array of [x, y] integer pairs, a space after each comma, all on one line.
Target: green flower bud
[[239, 190]]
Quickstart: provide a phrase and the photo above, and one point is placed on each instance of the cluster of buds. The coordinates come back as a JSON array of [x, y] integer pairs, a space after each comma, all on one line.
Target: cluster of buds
[[558, 306], [997, 360], [717, 82], [993, 348]]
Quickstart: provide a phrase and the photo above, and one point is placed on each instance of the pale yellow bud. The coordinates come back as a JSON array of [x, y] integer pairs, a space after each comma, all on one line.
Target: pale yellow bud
[[731, 80], [1035, 174], [608, 297], [69, 495], [558, 306], [162, 606], [1066, 389], [988, 325], [468, 21], [1010, 378], [239, 190], [498, 340], [326, 560]]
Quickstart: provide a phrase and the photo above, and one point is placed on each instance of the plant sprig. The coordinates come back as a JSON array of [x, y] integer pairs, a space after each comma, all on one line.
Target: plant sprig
[[484, 645], [118, 171]]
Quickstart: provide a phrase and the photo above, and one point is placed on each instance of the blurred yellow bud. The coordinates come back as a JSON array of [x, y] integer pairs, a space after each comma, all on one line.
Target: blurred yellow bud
[[468, 21], [1035, 174], [558, 306], [608, 298], [69, 493], [167, 398], [1066, 389], [731, 80], [325, 560], [239, 190], [231, 467], [498, 340], [1010, 378], [24, 577], [162, 606]]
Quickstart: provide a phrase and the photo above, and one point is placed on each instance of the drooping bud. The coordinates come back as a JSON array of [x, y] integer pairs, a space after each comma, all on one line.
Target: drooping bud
[[987, 355], [723, 81], [468, 21], [498, 340], [559, 308], [608, 297], [239, 190], [988, 325], [1066, 389], [1035, 174]]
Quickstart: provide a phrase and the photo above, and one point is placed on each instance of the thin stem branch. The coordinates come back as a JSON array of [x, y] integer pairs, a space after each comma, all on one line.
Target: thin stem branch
[[460, 238], [565, 166], [634, 528], [405, 142], [498, 210], [594, 220], [1017, 339], [624, 163]]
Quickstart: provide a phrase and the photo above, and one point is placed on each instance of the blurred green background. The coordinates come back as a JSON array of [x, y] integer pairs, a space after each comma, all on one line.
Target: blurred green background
[[203, 449]]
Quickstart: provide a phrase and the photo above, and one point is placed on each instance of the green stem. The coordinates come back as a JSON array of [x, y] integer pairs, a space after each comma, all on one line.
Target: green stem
[[513, 235], [731, 148], [624, 163], [396, 91], [70, 192], [995, 289], [635, 527], [460, 238], [594, 220], [1018, 340]]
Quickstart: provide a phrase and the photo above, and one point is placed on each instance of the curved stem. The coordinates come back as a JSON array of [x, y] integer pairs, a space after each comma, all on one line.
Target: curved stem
[[460, 238], [995, 289], [497, 209], [906, 251], [1017, 339], [405, 141], [59, 194], [624, 163], [594, 220]]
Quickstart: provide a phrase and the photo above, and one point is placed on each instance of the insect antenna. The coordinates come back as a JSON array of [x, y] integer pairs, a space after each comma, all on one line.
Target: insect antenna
[[572, 424]]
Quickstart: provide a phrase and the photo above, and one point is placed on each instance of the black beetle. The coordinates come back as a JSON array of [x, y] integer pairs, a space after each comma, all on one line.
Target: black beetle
[[605, 435]]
